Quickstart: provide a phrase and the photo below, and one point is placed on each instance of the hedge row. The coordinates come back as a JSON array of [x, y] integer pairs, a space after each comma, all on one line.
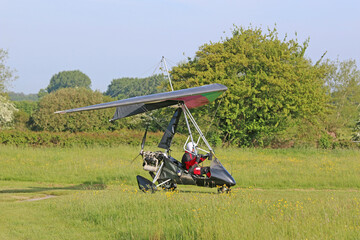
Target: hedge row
[[112, 139], [64, 139]]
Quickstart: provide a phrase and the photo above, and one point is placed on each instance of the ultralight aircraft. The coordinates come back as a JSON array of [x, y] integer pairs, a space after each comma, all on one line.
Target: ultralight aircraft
[[164, 169]]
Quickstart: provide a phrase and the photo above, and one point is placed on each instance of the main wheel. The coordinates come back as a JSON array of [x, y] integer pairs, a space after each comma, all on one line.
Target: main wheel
[[169, 186]]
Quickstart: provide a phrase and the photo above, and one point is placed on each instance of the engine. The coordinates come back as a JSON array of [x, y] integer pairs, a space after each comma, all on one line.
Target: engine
[[152, 160]]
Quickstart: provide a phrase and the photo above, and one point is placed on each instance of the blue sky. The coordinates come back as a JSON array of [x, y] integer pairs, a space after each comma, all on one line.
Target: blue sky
[[108, 39]]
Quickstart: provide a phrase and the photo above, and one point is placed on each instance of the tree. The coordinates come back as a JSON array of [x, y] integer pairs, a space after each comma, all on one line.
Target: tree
[[356, 132], [67, 98], [121, 88], [42, 92], [68, 79], [344, 89], [7, 109], [23, 97], [6, 74], [270, 82]]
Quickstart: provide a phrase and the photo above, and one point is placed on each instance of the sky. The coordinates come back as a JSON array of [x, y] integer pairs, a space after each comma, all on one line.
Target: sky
[[109, 39]]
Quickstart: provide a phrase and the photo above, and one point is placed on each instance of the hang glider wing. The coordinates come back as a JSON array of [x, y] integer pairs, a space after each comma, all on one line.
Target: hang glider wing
[[192, 97]]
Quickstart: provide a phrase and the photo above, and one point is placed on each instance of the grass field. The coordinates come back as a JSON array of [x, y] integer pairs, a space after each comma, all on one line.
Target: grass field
[[91, 193]]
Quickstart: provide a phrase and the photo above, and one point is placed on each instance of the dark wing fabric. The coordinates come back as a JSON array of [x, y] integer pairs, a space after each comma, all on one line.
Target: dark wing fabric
[[170, 130], [130, 110], [192, 97]]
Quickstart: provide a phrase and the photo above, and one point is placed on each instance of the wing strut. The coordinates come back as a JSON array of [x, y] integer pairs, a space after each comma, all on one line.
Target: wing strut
[[184, 108], [187, 114]]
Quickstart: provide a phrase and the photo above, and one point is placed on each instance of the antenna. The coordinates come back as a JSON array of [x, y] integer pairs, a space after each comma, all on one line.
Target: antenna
[[167, 72]]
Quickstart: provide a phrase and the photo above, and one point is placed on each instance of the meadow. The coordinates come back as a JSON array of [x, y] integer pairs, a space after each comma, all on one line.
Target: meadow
[[91, 193]]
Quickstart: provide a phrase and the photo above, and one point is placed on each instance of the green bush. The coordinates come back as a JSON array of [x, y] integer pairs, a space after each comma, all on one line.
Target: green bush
[[325, 142], [28, 107], [44, 118]]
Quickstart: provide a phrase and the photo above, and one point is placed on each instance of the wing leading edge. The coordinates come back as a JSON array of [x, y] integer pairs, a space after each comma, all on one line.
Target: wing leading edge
[[192, 97]]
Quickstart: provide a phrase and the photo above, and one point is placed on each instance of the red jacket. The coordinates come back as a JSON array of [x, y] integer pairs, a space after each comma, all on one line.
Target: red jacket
[[190, 159]]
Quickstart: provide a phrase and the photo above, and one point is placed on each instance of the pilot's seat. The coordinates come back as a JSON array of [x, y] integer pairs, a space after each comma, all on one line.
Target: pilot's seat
[[177, 163]]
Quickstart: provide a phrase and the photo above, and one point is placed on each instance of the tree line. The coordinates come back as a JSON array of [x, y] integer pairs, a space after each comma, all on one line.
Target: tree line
[[277, 96]]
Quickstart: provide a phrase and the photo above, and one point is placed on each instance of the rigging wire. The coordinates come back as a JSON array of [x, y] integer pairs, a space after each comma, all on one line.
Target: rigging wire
[[158, 122], [172, 63], [153, 118], [156, 66], [166, 71]]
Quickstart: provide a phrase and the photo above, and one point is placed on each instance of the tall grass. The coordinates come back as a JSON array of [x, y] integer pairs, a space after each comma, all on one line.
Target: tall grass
[[280, 194], [244, 214], [259, 168], [293, 168], [122, 212], [69, 165]]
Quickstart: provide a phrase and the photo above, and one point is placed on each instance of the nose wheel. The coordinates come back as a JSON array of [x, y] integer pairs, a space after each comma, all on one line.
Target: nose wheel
[[223, 189]]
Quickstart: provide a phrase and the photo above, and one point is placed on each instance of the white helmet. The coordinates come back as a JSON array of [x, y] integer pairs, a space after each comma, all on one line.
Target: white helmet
[[190, 147]]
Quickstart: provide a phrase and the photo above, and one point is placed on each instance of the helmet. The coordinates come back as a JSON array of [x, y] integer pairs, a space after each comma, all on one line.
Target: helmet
[[190, 147]]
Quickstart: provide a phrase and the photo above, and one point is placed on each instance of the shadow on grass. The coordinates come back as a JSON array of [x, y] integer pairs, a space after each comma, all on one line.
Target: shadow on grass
[[83, 186], [194, 191]]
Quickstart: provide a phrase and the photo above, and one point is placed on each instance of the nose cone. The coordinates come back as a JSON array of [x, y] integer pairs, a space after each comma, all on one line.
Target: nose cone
[[231, 181], [227, 178], [220, 174]]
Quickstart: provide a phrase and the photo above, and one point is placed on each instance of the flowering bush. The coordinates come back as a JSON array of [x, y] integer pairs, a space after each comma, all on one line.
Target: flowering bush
[[7, 110]]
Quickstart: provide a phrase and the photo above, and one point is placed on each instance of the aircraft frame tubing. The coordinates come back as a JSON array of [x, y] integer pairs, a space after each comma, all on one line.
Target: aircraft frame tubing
[[187, 112], [183, 106], [158, 172], [163, 182]]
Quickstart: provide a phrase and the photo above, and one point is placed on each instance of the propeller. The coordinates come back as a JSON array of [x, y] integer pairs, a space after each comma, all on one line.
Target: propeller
[[142, 145]]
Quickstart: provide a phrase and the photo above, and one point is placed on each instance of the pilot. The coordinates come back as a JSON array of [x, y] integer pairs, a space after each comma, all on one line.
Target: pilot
[[191, 161]]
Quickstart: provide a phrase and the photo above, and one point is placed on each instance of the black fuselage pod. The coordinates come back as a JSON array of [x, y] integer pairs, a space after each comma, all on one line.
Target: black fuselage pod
[[173, 170], [220, 175]]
